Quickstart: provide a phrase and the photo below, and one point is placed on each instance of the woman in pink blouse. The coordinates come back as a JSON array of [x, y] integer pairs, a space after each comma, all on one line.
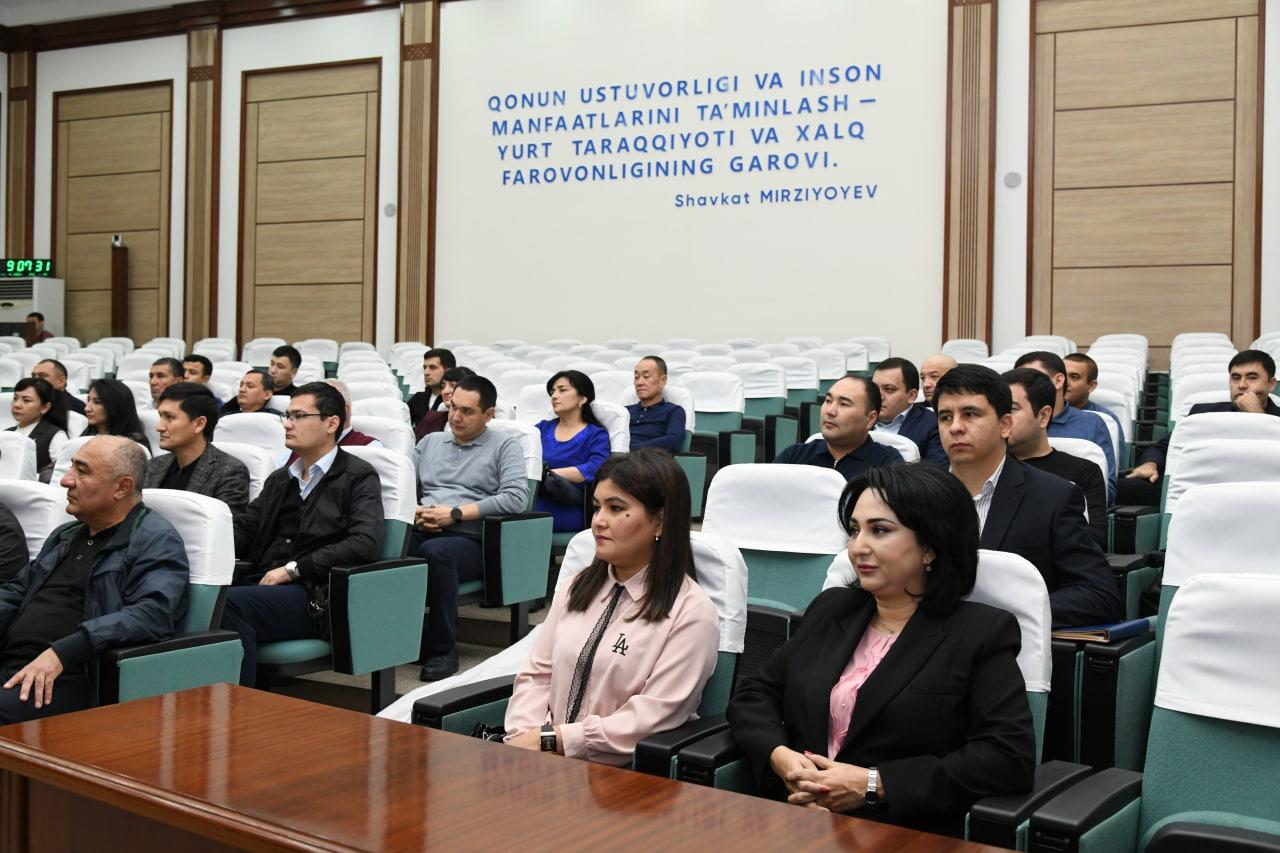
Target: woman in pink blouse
[[895, 699], [627, 648]]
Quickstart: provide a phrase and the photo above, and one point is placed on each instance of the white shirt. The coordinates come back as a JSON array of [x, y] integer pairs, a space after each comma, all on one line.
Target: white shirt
[[982, 500], [896, 424], [315, 475], [56, 443]]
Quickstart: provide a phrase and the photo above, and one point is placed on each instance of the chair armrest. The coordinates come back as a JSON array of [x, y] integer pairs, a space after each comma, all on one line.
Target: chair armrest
[[517, 557], [996, 820], [109, 662], [699, 761], [375, 614], [1059, 823], [655, 753], [1181, 836], [431, 711], [735, 446], [241, 569], [1129, 539]]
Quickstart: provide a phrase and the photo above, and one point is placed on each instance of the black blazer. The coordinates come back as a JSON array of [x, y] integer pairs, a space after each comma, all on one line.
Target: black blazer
[[1041, 517], [921, 426], [217, 474], [944, 716]]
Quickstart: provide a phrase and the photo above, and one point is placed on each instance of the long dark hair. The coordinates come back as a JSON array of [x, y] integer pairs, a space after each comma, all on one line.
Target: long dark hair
[[654, 479], [933, 504], [57, 414], [122, 411], [581, 383]]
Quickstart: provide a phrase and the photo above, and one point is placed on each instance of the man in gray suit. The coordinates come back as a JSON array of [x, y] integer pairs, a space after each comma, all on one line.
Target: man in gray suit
[[188, 415]]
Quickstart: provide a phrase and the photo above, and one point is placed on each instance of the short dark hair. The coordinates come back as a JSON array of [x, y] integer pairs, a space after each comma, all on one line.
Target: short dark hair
[[457, 374], [581, 383], [656, 359], [1051, 360], [57, 414], [910, 374], [206, 366], [58, 367], [871, 389], [446, 357], [329, 403], [175, 366], [479, 385], [291, 353], [934, 505], [37, 315], [1039, 388], [1088, 362], [653, 478], [975, 379], [196, 401], [263, 376], [1254, 356]]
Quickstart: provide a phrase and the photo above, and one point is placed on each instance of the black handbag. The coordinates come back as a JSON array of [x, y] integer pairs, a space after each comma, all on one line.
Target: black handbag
[[493, 733], [559, 490], [318, 607]]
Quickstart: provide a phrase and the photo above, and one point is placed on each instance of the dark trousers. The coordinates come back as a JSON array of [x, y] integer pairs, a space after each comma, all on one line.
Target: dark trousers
[[451, 559], [266, 614], [1137, 491], [69, 694]]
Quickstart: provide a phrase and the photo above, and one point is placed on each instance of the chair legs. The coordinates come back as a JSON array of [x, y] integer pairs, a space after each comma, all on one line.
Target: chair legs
[[519, 621]]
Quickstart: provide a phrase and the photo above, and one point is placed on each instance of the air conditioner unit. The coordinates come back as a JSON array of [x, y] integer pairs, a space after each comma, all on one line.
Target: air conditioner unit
[[20, 296]]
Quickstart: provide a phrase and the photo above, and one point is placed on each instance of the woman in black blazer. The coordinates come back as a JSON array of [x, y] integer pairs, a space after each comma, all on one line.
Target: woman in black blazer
[[941, 718]]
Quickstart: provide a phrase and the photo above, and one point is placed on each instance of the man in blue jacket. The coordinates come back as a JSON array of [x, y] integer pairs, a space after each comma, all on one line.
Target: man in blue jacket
[[116, 576]]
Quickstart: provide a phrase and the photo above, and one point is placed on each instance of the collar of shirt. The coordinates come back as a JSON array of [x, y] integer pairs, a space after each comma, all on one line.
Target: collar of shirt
[[478, 441], [318, 470], [26, 430], [634, 585], [989, 485], [895, 424], [1068, 414]]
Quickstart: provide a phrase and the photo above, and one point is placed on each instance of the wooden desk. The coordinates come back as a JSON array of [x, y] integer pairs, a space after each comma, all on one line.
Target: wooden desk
[[226, 766]]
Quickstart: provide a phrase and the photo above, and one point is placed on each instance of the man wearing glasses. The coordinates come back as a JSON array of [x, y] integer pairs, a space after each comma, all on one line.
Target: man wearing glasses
[[323, 510]]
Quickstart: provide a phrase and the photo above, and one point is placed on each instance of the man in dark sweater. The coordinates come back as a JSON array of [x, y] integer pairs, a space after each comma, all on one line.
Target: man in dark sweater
[[655, 422], [849, 414], [1033, 401]]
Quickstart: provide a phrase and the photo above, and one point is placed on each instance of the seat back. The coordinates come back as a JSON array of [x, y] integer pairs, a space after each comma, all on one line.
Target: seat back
[[533, 404], [258, 460], [764, 386], [830, 362], [1214, 743], [615, 418], [375, 390], [855, 355], [612, 386], [878, 349], [531, 447], [1208, 426], [510, 383], [10, 372], [966, 349], [908, 449], [204, 523], [17, 457], [257, 428], [1234, 460], [150, 419], [399, 496], [783, 519], [392, 432], [394, 408], [39, 507], [672, 393], [750, 356], [781, 350], [1119, 405], [1081, 448]]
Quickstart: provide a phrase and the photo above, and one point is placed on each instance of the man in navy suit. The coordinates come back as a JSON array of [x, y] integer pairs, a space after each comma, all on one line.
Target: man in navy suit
[[899, 382]]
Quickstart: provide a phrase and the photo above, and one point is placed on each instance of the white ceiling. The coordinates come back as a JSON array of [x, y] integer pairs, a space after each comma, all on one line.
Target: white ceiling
[[19, 13]]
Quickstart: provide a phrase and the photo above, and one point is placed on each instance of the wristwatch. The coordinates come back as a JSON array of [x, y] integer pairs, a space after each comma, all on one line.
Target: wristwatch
[[872, 796], [548, 736], [456, 514], [291, 568]]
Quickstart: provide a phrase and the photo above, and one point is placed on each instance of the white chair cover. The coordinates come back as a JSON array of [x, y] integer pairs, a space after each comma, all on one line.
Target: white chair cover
[[621, 343], [72, 344], [1195, 383], [149, 418], [204, 523], [374, 390], [714, 349], [776, 508], [382, 407], [1012, 583], [878, 349], [133, 361], [590, 367], [1210, 426], [530, 443], [356, 346], [10, 371], [1118, 405], [617, 420], [781, 350], [39, 507], [510, 383], [17, 456], [715, 391], [6, 410], [855, 354], [257, 428], [509, 344], [451, 343], [908, 449], [966, 349], [1081, 448], [556, 363], [801, 372], [259, 461], [805, 342], [394, 434], [1216, 530], [761, 380], [563, 344], [673, 393], [399, 481], [61, 462], [587, 351], [680, 343], [742, 343], [533, 404], [750, 356], [830, 362], [258, 353], [1233, 460], [1218, 657], [278, 403], [714, 362], [612, 385], [318, 349]]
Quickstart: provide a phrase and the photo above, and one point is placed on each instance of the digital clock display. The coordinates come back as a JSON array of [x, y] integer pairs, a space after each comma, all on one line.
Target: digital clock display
[[27, 266]]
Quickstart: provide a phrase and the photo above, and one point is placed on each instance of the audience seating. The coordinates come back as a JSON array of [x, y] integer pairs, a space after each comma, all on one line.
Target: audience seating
[[966, 349], [800, 379], [39, 507], [856, 359], [394, 434], [383, 407], [259, 461], [256, 428], [17, 455], [150, 418], [10, 373], [6, 410]]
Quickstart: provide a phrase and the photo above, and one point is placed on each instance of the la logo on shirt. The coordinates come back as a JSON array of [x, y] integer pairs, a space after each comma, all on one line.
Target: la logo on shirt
[[620, 645]]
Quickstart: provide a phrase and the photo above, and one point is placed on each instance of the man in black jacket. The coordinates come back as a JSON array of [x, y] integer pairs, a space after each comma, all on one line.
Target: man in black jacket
[[1020, 509], [323, 511], [434, 364], [1252, 378]]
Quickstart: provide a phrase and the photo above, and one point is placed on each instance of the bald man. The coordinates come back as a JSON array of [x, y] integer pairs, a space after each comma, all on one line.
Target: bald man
[[932, 369], [116, 576]]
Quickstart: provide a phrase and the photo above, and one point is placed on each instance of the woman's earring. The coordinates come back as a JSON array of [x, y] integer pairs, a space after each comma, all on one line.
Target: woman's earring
[[928, 567]]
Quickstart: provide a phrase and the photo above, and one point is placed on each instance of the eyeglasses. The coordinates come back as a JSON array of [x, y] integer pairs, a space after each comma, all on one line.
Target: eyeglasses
[[298, 416]]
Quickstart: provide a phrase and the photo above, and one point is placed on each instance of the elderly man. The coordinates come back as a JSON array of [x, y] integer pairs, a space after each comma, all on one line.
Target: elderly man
[[116, 576], [932, 369], [655, 422]]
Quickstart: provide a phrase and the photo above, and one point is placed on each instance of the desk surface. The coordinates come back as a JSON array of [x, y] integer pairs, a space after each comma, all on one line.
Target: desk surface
[[243, 766]]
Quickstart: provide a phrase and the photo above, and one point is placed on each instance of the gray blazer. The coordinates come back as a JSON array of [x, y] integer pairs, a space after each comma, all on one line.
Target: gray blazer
[[217, 475]]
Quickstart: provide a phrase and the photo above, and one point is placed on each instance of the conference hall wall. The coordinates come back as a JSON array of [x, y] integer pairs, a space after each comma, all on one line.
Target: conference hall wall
[[704, 169]]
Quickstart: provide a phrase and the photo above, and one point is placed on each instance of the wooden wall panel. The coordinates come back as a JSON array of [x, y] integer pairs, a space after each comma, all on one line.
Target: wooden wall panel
[[970, 170], [1138, 146], [115, 145], [204, 129], [308, 242], [1159, 64], [1143, 206], [416, 191], [20, 156], [89, 260], [128, 202], [104, 103]]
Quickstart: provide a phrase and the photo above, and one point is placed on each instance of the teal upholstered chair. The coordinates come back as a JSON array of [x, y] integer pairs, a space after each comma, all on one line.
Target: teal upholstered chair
[[1210, 777], [719, 403], [783, 519], [199, 654], [375, 611]]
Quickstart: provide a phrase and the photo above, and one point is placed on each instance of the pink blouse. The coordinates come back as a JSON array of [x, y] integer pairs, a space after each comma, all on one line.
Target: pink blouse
[[647, 677], [871, 649]]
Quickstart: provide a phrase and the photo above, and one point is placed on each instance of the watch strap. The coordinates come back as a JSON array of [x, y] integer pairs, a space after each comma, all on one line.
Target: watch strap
[[549, 742]]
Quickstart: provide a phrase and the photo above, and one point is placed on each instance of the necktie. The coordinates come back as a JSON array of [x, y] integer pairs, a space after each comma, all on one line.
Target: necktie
[[582, 672]]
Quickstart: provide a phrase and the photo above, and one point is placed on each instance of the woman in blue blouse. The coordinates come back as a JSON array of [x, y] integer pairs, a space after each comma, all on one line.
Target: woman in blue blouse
[[574, 445]]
